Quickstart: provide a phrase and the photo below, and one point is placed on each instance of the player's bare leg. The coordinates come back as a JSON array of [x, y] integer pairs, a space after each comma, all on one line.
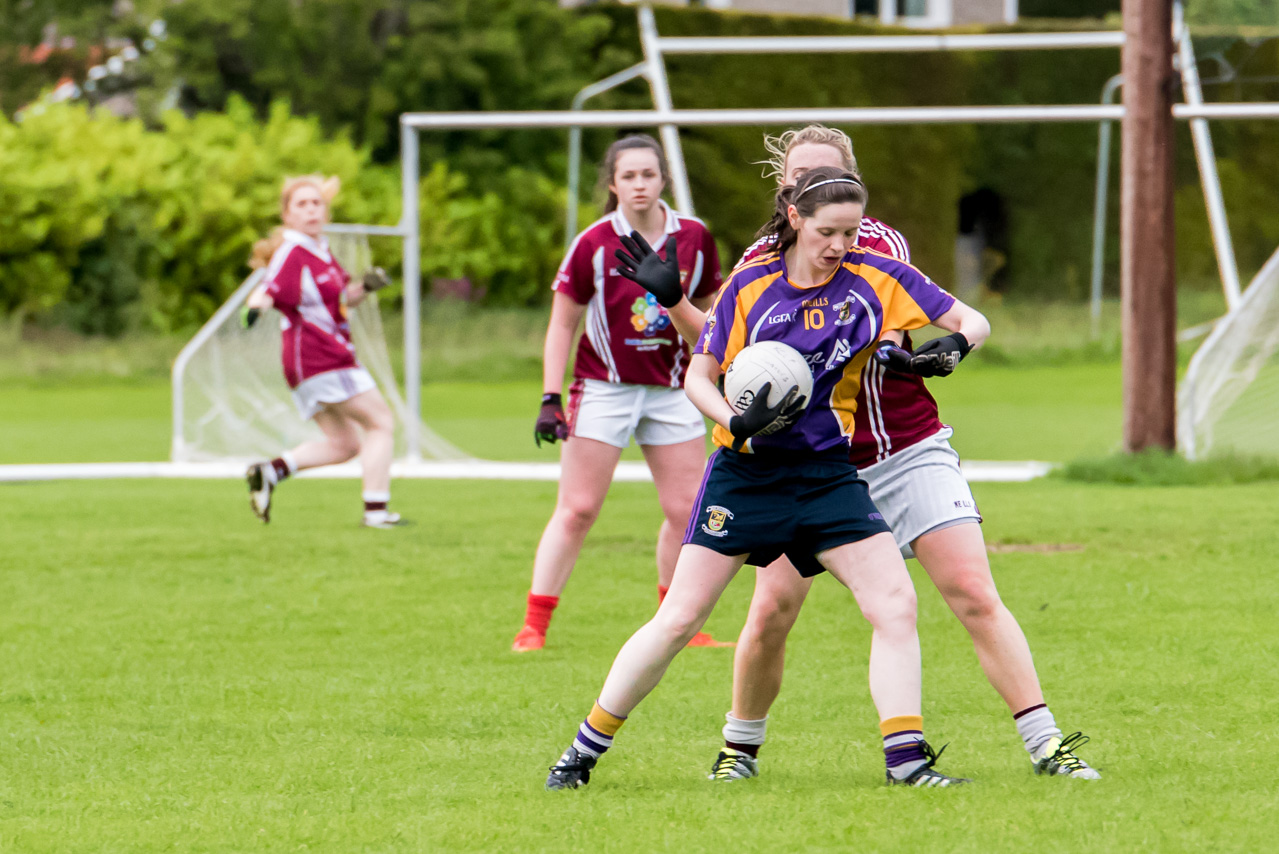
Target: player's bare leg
[[341, 442], [955, 559], [586, 471], [874, 572], [700, 578], [677, 473], [370, 411], [757, 667]]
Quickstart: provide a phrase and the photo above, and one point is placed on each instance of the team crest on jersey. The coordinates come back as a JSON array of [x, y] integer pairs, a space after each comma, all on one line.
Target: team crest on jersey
[[647, 316], [717, 519], [844, 311]]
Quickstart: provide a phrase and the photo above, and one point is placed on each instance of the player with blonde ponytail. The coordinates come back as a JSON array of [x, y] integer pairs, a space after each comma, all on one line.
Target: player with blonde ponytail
[[311, 290]]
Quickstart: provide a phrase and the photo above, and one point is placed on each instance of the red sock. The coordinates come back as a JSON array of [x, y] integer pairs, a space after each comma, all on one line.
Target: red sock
[[661, 594], [540, 608]]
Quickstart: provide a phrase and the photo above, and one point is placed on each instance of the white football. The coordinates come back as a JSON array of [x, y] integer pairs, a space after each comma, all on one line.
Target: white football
[[766, 362]]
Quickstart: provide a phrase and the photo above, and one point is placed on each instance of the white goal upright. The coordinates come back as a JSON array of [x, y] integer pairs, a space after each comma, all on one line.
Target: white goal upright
[[230, 400], [1229, 400]]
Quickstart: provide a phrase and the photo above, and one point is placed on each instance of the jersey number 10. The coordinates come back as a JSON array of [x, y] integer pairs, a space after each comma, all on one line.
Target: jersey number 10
[[814, 318]]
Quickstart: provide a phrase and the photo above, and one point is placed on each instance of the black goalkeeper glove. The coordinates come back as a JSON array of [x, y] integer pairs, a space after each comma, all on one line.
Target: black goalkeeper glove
[[375, 279], [249, 316], [940, 357], [551, 424], [893, 357], [642, 265], [760, 419]]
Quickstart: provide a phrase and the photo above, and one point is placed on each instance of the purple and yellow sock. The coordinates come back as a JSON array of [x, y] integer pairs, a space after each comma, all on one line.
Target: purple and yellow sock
[[595, 735], [903, 744]]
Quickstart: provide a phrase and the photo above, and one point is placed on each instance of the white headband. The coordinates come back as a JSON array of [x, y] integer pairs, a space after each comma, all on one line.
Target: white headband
[[829, 181]]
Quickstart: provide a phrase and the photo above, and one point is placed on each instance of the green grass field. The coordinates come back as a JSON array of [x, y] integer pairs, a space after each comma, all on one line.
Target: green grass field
[[999, 413], [175, 676]]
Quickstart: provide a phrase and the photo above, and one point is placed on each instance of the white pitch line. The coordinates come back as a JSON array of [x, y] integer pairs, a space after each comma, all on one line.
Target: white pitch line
[[977, 471]]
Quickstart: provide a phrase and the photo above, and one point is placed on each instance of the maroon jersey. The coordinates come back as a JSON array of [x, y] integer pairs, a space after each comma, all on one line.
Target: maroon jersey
[[629, 337], [306, 284], [893, 411]]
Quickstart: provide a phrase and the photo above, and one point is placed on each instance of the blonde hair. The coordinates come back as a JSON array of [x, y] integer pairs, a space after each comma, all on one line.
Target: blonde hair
[[779, 148], [327, 186]]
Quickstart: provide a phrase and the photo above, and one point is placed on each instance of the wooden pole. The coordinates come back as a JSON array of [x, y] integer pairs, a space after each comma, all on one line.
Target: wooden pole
[[1147, 280]]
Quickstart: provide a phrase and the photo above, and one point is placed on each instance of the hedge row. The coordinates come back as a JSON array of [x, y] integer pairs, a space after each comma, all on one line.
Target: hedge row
[[107, 225]]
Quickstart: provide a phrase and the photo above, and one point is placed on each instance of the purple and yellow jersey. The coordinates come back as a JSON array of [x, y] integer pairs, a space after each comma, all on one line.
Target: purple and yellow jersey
[[835, 325]]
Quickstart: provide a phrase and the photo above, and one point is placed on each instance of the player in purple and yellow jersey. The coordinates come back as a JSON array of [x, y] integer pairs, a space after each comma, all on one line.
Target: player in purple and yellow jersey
[[780, 481], [902, 449], [628, 376]]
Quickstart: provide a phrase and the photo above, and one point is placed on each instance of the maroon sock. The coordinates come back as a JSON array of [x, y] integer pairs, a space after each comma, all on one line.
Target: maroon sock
[[370, 506], [281, 469], [752, 749]]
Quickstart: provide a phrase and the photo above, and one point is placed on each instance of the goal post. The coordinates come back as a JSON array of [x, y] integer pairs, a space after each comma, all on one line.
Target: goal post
[[1229, 398]]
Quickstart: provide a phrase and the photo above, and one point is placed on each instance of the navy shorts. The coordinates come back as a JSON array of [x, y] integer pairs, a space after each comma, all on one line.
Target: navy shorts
[[767, 505]]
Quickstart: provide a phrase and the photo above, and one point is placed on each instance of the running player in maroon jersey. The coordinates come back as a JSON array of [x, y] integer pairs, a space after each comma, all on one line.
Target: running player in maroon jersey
[[781, 481], [307, 285], [902, 449], [628, 376]]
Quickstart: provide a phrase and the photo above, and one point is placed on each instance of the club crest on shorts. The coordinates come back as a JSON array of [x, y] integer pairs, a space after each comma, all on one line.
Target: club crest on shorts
[[717, 519]]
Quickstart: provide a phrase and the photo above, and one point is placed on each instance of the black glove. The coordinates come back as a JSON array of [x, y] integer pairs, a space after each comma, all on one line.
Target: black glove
[[940, 357], [893, 357], [249, 316], [551, 425], [760, 419], [375, 279], [641, 265]]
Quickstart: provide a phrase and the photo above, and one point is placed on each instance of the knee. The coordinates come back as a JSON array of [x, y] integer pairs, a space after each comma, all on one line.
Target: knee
[[770, 621], [973, 597], [347, 447], [577, 518], [677, 513], [380, 420], [678, 623], [893, 612]]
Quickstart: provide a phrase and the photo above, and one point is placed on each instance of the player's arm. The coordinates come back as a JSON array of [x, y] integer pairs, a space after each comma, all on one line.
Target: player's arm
[[258, 301], [701, 384], [566, 315], [939, 357], [375, 279]]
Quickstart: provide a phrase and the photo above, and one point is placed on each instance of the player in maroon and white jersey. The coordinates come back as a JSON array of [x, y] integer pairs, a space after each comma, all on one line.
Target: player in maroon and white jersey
[[307, 285], [902, 450], [628, 377]]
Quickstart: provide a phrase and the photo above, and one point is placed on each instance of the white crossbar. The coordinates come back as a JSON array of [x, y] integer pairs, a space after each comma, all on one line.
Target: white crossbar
[[838, 115], [888, 44]]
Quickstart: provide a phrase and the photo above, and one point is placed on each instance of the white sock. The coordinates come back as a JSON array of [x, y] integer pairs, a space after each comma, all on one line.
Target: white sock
[[737, 731], [1036, 726], [371, 497], [290, 461]]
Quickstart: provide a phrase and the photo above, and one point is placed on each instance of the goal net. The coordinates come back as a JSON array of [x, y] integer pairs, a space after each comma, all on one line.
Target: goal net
[[1229, 400], [230, 398]]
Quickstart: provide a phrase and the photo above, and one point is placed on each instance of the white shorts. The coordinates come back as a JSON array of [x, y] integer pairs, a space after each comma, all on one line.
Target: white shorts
[[330, 387], [614, 412], [921, 489]]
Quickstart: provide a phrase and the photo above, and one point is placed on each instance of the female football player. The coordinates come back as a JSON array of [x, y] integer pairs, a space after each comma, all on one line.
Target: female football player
[[306, 284], [903, 451], [781, 481], [628, 376]]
